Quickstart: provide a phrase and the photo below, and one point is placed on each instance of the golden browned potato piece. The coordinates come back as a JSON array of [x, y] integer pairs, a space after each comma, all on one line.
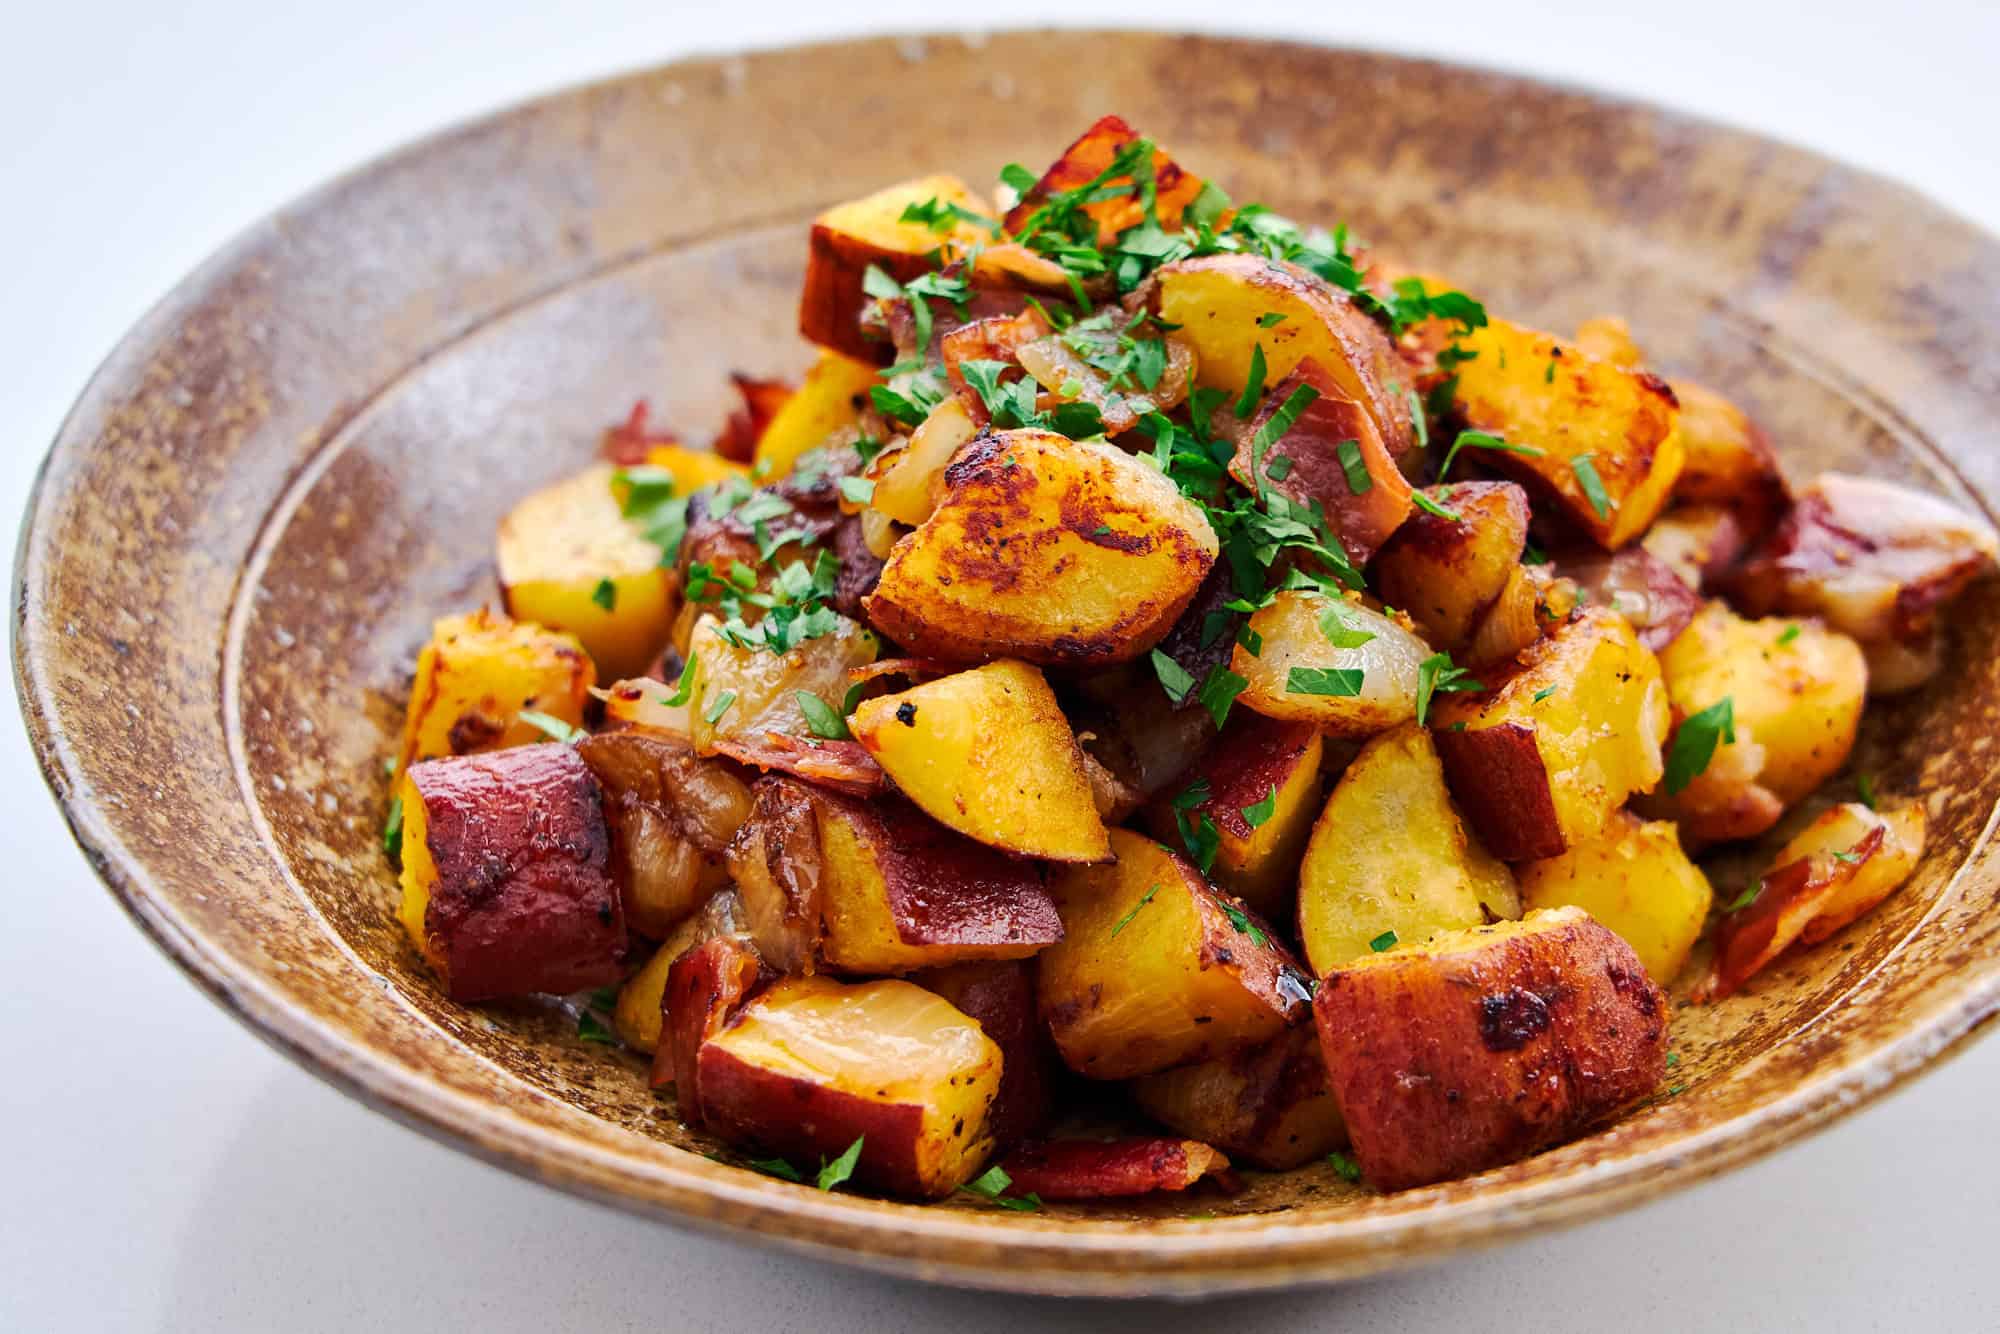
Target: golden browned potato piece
[[744, 694], [1540, 759], [1000, 997], [1300, 672], [506, 877], [1635, 879], [1060, 552], [1270, 1104], [850, 237], [1836, 869], [1609, 338], [693, 469], [1445, 572], [833, 395], [1221, 301], [812, 1065], [1089, 157], [570, 560], [1259, 786], [1729, 461], [638, 1015], [988, 752], [1489, 1044], [478, 675], [1390, 861], [1526, 388], [1795, 688], [1157, 969]]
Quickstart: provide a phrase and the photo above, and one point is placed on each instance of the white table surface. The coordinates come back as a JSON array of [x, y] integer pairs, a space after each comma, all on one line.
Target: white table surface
[[167, 1170]]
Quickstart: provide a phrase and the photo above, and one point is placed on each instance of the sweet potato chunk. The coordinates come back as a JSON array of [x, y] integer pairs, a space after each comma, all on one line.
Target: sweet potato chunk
[[569, 560], [832, 396], [1635, 879], [811, 1065], [1000, 997], [850, 237], [1558, 742], [506, 883], [1390, 861], [1876, 561], [988, 752], [639, 1013], [1835, 870], [1059, 552], [1093, 153], [1259, 786], [1528, 389], [476, 677], [1157, 969], [1445, 572], [1301, 673], [1270, 1105], [671, 817], [1331, 457], [1486, 1045], [744, 694], [1220, 302], [706, 987], [1081, 1169]]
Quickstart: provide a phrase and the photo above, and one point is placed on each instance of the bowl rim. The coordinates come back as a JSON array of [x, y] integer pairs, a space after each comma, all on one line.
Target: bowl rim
[[1043, 1255]]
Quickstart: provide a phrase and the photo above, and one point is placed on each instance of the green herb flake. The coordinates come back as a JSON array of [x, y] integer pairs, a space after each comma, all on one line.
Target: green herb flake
[[1848, 858], [392, 829], [1344, 1166], [1270, 319], [591, 1029], [1673, 1059], [840, 1169], [1385, 941], [1252, 642], [1437, 673], [1790, 633], [1484, 440], [774, 1167], [1018, 178], [1592, 484], [1279, 468], [1543, 694], [1244, 926], [1253, 388], [555, 727], [1695, 741], [1274, 428], [993, 1182], [1865, 787], [1429, 506], [722, 704], [1746, 898], [1334, 625], [1174, 679], [821, 719], [1359, 481], [684, 685], [1259, 814], [605, 595], [1199, 837], [1126, 920], [859, 490], [1340, 682]]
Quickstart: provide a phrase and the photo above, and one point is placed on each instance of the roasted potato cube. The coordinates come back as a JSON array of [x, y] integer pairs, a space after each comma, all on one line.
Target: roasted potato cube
[[506, 881], [1221, 302], [1635, 879], [1000, 997], [832, 396], [671, 817], [1487, 1045], [1061, 552], [898, 892], [1330, 458], [1552, 747], [1270, 1105], [1259, 786], [1445, 572], [1089, 157], [1085, 1169], [744, 693], [988, 752], [811, 1065], [1609, 338], [1795, 689], [1157, 969], [694, 469], [1729, 461], [850, 237], [1639, 586], [569, 560], [478, 674], [1390, 861], [1528, 389], [1300, 672], [1835, 870], [640, 1010], [1875, 560]]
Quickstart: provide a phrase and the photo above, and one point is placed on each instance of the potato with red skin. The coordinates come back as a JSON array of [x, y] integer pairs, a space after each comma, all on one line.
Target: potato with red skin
[[1255, 760], [850, 238], [1365, 502], [506, 874], [1000, 997], [1486, 1045], [1270, 1105], [810, 1065], [1730, 461], [1445, 572], [1081, 1169], [1636, 584], [641, 1009], [705, 988]]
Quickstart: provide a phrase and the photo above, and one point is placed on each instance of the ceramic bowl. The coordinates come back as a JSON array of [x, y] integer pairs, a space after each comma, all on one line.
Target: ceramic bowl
[[296, 461]]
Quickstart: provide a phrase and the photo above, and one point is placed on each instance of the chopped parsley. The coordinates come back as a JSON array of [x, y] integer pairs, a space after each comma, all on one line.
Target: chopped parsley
[[1334, 625], [1359, 481], [821, 719], [1484, 440], [592, 1029], [944, 218], [1429, 506], [1437, 673], [1746, 898], [1174, 678], [684, 686], [1218, 691], [1695, 741], [605, 595], [1344, 1166], [1543, 694], [1244, 926], [857, 489], [1790, 633], [1270, 319], [392, 829], [1259, 813], [994, 1181], [840, 1169], [554, 726], [1385, 941], [1126, 920], [775, 1167], [1342, 682], [646, 497], [1592, 484], [1253, 388], [1865, 786], [721, 705]]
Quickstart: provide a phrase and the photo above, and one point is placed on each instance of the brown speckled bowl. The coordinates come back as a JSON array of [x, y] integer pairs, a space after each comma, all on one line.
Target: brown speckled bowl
[[297, 460]]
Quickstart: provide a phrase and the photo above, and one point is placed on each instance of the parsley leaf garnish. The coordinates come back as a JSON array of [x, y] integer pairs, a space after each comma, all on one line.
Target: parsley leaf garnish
[[1218, 691], [840, 1169], [605, 595], [1342, 682], [1695, 741], [821, 719], [719, 706], [1437, 673], [555, 727], [1174, 679], [1592, 484], [1125, 921], [392, 829], [994, 1180], [1259, 813], [1244, 926], [1358, 479]]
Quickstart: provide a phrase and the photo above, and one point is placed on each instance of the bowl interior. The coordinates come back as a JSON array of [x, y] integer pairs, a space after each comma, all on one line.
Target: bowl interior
[[298, 461]]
